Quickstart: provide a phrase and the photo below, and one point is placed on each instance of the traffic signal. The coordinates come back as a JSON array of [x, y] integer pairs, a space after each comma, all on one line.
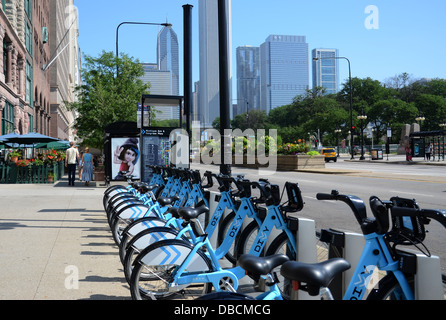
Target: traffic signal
[[353, 129]]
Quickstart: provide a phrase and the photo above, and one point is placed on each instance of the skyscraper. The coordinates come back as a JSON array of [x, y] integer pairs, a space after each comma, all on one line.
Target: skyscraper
[[284, 70], [209, 85], [164, 76], [326, 71], [168, 57], [248, 78]]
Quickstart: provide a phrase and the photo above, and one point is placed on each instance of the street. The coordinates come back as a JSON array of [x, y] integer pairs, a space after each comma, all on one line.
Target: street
[[425, 183]]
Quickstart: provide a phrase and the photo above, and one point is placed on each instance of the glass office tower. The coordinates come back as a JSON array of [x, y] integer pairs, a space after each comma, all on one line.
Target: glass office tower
[[248, 79], [168, 57], [284, 70], [326, 70]]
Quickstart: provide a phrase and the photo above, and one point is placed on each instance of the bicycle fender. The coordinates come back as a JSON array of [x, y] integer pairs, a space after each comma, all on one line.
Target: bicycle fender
[[152, 235], [133, 211], [167, 252], [144, 224]]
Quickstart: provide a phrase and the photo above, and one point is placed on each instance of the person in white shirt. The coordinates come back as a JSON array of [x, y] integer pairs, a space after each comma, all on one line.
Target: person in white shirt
[[72, 156]]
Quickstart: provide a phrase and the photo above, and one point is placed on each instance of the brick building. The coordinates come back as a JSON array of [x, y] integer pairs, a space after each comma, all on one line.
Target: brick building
[[16, 66], [40, 66]]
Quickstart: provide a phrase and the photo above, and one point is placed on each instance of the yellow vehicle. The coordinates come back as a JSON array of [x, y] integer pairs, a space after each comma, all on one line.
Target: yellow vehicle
[[330, 154]]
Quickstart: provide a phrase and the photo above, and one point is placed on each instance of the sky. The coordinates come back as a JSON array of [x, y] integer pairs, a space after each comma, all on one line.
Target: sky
[[381, 38]]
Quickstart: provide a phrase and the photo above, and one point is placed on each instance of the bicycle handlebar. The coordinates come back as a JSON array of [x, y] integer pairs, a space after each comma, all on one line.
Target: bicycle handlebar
[[435, 214], [355, 203]]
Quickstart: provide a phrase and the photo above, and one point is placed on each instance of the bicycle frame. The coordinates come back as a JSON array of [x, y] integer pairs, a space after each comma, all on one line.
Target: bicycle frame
[[273, 219], [375, 254], [245, 209]]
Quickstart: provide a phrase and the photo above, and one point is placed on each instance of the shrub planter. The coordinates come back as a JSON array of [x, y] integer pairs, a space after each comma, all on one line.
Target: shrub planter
[[289, 162], [99, 176]]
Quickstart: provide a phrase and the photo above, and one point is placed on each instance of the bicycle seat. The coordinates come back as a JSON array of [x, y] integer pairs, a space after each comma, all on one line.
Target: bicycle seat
[[165, 201], [173, 211], [189, 213], [261, 265], [317, 275]]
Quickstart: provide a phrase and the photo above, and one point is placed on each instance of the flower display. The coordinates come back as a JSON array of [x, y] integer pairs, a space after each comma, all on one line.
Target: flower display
[[299, 146]]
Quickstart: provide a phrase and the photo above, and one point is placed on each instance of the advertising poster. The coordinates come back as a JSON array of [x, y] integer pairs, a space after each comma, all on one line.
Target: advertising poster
[[126, 156]]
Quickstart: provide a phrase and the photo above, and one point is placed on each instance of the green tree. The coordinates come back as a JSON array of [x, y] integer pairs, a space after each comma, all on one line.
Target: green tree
[[433, 107], [253, 119], [104, 98], [393, 112]]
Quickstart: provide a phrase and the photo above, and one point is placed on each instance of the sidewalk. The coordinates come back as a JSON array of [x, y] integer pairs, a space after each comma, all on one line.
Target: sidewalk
[[396, 159], [55, 244]]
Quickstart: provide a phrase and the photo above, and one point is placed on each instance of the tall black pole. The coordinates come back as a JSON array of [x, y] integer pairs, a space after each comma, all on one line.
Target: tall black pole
[[187, 10], [226, 150]]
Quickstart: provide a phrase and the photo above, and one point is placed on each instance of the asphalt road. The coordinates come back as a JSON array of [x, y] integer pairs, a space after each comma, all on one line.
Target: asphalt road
[[425, 183]]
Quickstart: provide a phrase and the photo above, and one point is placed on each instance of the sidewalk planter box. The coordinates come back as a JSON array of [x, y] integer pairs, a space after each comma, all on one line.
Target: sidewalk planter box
[[289, 162], [13, 174], [300, 162], [99, 175]]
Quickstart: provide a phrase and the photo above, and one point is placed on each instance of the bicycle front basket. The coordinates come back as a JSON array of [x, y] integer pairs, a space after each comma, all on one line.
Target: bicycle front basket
[[407, 230]]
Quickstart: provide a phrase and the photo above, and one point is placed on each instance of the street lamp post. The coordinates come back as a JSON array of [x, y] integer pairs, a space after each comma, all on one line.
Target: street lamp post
[[351, 92], [168, 25], [362, 117], [337, 131], [420, 119]]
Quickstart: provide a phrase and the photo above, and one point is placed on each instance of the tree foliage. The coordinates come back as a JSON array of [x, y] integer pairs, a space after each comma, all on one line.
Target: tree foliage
[[110, 92], [397, 102]]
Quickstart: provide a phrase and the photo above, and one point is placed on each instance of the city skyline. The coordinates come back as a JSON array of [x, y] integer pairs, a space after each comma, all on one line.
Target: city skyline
[[345, 25]]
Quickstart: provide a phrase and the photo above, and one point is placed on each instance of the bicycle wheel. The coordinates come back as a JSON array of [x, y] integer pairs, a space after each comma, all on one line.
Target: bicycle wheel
[[246, 239], [155, 266], [280, 246], [141, 241], [388, 288], [322, 249], [127, 215], [223, 231], [226, 296], [134, 229]]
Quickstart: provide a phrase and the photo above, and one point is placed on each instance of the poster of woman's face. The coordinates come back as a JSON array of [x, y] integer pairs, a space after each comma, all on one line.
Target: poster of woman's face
[[126, 158]]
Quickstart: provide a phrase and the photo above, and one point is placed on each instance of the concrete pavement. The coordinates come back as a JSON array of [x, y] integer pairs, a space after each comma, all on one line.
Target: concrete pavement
[[55, 244]]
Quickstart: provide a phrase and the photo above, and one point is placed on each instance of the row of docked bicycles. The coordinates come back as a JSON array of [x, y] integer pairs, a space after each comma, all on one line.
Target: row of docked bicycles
[[164, 229]]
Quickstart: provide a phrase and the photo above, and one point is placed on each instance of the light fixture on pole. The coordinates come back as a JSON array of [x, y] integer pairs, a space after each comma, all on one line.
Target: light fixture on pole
[[362, 117], [351, 92], [337, 131], [420, 119], [166, 24]]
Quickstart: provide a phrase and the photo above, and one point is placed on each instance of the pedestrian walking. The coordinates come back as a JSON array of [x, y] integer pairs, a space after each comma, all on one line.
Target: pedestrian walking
[[80, 165], [428, 152], [87, 166], [408, 153], [72, 156]]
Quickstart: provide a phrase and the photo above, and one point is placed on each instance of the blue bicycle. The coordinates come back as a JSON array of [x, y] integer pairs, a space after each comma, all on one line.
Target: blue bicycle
[[149, 234], [380, 250], [177, 266]]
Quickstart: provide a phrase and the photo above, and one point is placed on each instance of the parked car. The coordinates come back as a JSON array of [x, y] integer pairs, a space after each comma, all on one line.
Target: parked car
[[330, 154], [357, 150]]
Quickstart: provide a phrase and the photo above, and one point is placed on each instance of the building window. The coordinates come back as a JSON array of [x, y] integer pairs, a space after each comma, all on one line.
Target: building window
[[28, 39], [5, 58], [7, 118], [29, 84], [29, 9], [31, 122]]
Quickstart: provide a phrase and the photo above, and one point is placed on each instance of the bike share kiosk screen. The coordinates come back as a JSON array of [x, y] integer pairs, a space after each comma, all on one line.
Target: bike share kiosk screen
[[156, 149], [160, 119]]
